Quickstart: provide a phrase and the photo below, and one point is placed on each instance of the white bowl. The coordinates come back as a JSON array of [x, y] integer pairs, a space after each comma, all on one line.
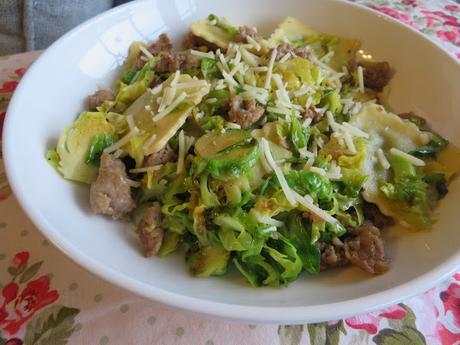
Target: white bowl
[[52, 93]]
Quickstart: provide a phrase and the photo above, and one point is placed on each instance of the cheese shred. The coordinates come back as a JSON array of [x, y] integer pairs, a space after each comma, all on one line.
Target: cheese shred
[[409, 158], [279, 174]]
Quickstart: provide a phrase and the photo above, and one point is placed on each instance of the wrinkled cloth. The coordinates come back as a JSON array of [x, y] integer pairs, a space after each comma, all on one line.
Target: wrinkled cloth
[[35, 24]]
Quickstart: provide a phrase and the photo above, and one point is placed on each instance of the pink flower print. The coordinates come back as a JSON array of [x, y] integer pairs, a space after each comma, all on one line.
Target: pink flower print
[[394, 312], [449, 36], [403, 17], [367, 322]]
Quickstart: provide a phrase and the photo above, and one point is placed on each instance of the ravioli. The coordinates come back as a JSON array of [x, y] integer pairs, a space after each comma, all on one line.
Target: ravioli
[[291, 30], [386, 130], [212, 33], [166, 127]]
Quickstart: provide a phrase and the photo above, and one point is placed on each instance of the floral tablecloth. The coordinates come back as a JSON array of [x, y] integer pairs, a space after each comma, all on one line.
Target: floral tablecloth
[[47, 299]]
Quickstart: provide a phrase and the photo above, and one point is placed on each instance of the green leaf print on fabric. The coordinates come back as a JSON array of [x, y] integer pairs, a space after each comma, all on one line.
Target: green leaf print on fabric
[[317, 333], [30, 272], [334, 331], [326, 333], [408, 335], [53, 325], [404, 333], [290, 334]]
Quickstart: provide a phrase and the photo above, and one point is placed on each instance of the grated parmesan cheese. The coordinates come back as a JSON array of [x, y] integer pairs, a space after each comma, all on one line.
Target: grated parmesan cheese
[[170, 108], [168, 96], [308, 204], [260, 69], [305, 89], [327, 57], [349, 142], [279, 110], [271, 63], [232, 125], [254, 43], [265, 219], [123, 141], [156, 90], [285, 57], [306, 123], [175, 79], [411, 159], [321, 64], [191, 84], [209, 55], [382, 159], [149, 142], [263, 160], [279, 174], [249, 58], [360, 79], [355, 131], [222, 61], [229, 80], [145, 52], [281, 93], [318, 170]]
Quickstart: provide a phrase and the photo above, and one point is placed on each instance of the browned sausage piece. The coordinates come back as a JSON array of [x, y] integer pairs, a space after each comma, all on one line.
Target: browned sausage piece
[[162, 44], [99, 97], [373, 214], [332, 256], [244, 113], [367, 250], [245, 32], [285, 48], [110, 194], [149, 231], [376, 74], [183, 61], [196, 42]]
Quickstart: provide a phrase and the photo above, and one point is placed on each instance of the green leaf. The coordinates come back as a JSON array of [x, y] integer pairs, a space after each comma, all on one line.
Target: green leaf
[[209, 68], [300, 236], [98, 144], [299, 135], [290, 334], [30, 272], [53, 325], [2, 341], [408, 335], [307, 182], [430, 150], [127, 76]]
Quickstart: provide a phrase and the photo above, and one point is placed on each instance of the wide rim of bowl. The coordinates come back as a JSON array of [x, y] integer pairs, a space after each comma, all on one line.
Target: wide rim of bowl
[[315, 313]]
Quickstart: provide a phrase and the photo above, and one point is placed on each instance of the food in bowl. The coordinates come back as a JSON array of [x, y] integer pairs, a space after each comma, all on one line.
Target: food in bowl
[[273, 154]]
